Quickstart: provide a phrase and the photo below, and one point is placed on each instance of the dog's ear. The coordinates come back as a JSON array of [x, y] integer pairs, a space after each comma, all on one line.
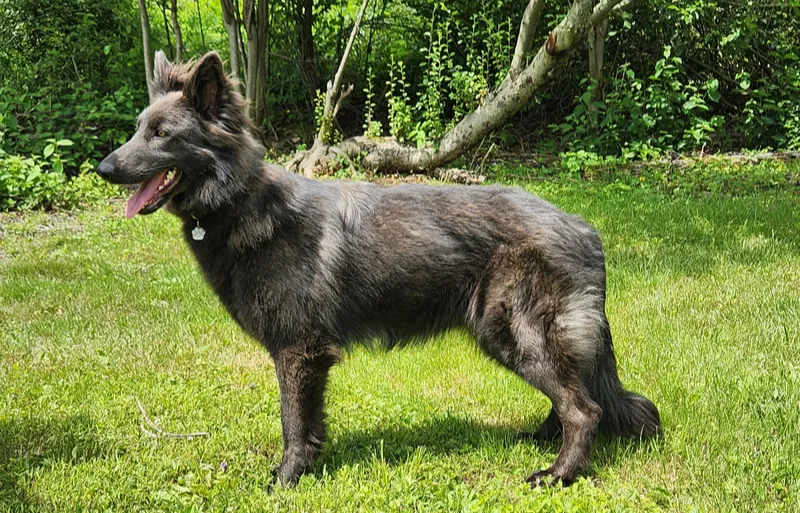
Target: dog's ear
[[162, 71], [207, 86]]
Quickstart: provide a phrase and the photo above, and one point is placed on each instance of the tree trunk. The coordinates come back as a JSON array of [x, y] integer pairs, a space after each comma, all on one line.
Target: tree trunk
[[176, 29], [255, 17], [305, 41], [527, 29], [200, 22], [240, 40], [166, 30], [516, 91], [596, 41], [372, 23], [148, 50], [229, 19]]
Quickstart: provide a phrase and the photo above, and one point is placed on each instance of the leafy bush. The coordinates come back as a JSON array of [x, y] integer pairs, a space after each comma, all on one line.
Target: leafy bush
[[74, 72], [665, 111], [464, 56], [40, 182], [94, 122]]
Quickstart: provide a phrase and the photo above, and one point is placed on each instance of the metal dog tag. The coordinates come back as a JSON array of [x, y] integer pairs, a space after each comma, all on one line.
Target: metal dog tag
[[198, 233]]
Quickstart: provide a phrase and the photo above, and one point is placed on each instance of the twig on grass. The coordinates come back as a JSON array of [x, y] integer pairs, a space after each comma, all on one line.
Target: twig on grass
[[157, 432]]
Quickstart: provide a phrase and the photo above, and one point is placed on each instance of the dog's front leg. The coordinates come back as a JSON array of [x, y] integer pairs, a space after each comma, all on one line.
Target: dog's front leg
[[302, 370]]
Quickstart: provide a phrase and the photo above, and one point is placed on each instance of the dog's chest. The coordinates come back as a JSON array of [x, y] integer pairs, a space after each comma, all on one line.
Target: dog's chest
[[257, 287]]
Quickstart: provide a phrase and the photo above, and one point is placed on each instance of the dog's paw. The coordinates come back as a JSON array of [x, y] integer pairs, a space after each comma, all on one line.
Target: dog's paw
[[282, 479], [546, 478]]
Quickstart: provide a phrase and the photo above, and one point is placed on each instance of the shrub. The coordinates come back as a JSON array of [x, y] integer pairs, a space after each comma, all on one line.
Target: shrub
[[35, 182]]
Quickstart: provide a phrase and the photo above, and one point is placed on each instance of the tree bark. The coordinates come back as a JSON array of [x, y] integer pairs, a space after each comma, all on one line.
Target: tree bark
[[229, 19], [240, 40], [515, 92], [255, 17], [596, 41], [305, 41], [148, 49], [176, 29], [163, 5], [200, 22], [527, 29]]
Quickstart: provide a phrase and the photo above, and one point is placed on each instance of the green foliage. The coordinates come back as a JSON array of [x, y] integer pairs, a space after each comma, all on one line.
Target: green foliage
[[666, 110], [401, 117], [324, 124], [94, 122], [72, 66], [729, 78], [40, 182], [463, 57], [372, 127]]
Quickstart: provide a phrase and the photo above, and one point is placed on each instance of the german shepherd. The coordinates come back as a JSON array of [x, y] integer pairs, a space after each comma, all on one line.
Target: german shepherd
[[311, 267]]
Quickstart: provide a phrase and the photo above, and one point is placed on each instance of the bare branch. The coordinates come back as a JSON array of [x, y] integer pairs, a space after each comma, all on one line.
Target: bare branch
[[340, 101], [337, 79], [157, 432], [607, 7], [527, 31]]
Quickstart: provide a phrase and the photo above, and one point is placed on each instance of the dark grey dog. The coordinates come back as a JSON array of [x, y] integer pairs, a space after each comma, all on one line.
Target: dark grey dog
[[309, 267]]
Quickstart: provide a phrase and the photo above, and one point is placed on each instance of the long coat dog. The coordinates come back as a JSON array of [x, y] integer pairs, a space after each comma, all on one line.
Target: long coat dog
[[308, 267]]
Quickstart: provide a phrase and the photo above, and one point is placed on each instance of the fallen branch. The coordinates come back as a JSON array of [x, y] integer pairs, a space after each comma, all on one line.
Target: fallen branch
[[157, 432], [529, 73]]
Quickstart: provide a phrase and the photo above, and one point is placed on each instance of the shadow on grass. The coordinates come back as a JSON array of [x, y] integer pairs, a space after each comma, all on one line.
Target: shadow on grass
[[32, 443], [453, 435]]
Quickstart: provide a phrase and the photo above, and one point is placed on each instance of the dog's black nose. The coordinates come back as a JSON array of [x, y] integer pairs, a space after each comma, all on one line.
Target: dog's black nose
[[108, 166]]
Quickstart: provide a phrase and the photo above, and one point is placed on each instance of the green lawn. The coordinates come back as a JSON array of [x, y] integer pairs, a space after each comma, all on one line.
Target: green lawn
[[96, 311]]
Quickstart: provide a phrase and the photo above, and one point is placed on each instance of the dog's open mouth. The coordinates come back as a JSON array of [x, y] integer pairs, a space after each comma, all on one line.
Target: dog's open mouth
[[153, 193]]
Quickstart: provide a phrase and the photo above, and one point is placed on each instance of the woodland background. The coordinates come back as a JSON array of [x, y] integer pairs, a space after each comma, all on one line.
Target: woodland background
[[688, 77]]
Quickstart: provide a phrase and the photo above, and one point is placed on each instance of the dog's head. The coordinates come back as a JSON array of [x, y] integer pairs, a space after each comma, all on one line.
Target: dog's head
[[191, 144]]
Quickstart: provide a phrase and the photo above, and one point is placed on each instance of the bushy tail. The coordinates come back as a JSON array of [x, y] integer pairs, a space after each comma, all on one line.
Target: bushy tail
[[624, 413]]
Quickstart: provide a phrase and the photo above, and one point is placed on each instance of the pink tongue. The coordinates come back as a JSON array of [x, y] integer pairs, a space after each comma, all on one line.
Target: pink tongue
[[145, 193]]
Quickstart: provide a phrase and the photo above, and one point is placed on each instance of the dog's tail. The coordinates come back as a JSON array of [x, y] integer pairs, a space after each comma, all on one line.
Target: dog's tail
[[624, 413]]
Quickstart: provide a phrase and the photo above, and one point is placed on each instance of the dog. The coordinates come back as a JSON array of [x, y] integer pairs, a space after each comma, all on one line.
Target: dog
[[309, 268]]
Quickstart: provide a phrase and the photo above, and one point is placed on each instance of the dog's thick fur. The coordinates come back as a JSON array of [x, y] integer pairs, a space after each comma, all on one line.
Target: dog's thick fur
[[309, 267]]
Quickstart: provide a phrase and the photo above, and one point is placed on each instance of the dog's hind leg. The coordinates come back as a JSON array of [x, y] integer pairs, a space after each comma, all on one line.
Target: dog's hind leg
[[548, 431], [527, 323], [302, 371]]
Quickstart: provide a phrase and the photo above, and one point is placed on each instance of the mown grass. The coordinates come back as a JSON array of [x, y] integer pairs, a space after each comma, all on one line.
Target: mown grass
[[96, 311]]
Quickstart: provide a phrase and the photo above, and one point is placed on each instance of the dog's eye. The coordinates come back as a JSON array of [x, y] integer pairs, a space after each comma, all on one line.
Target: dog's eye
[[161, 133]]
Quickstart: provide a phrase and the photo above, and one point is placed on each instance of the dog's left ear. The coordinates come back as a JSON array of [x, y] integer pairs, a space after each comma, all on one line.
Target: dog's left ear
[[207, 86], [162, 70]]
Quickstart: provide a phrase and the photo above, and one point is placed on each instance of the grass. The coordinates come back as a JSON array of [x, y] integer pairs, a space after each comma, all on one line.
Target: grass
[[96, 311]]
